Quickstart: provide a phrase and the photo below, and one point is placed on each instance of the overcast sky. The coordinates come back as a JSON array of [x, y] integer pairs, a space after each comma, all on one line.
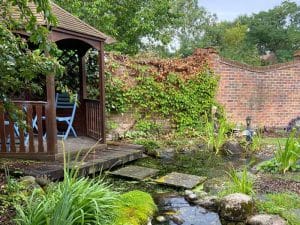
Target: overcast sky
[[230, 9]]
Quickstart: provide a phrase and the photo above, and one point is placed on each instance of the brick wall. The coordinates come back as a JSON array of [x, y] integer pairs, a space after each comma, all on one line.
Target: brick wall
[[270, 95]]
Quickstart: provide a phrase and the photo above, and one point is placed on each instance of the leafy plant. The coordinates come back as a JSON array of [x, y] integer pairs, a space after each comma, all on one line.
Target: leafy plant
[[116, 99], [285, 158], [216, 136], [284, 204], [240, 182], [150, 146], [74, 201], [256, 142], [147, 126], [184, 101]]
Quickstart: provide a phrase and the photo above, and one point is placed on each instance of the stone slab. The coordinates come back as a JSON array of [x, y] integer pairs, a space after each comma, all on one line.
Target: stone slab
[[181, 180], [135, 172]]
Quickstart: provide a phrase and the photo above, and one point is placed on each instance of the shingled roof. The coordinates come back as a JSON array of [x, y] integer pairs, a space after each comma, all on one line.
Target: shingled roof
[[69, 22]]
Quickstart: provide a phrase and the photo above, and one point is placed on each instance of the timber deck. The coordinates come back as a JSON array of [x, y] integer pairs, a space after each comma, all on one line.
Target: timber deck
[[91, 162]]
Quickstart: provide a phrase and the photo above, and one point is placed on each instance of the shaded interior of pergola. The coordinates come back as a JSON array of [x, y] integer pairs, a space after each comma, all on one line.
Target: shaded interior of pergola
[[79, 44]]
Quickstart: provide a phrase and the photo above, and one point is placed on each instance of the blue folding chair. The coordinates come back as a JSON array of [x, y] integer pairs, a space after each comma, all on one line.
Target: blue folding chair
[[63, 102]]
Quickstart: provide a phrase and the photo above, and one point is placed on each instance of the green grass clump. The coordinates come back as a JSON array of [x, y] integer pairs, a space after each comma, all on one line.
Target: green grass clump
[[135, 208], [286, 159], [72, 202], [240, 182], [282, 204]]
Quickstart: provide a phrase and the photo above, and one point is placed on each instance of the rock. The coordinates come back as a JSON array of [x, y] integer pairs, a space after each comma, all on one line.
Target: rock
[[28, 179], [214, 186], [42, 181], [177, 220], [265, 219], [149, 221], [191, 198], [233, 148], [29, 182], [209, 202], [188, 192], [161, 219], [236, 207], [201, 194]]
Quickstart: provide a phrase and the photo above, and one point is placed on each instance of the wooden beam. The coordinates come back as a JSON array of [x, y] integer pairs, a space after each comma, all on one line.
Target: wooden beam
[[51, 126], [83, 93], [102, 92]]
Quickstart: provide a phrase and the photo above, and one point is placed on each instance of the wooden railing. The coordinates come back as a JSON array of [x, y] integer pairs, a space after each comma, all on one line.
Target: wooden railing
[[23, 138], [93, 119]]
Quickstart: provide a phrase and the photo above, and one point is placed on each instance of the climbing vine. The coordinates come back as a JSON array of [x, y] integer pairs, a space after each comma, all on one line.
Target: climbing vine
[[184, 101]]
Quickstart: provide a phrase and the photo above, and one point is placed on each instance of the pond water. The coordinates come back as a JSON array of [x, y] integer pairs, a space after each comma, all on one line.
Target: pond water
[[178, 211]]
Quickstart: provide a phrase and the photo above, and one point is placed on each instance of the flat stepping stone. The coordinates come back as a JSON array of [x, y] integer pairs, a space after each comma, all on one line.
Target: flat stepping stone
[[135, 172], [181, 180]]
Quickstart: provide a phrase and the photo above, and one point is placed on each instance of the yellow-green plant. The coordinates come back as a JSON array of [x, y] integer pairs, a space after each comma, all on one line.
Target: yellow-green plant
[[134, 208]]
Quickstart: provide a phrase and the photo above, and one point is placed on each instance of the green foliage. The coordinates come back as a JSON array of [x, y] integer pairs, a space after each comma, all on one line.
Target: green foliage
[[240, 182], [148, 126], [216, 134], [282, 204], [231, 41], [192, 22], [276, 30], [285, 159], [127, 21], [150, 146], [135, 208], [185, 102], [115, 91], [74, 201], [19, 65], [256, 143]]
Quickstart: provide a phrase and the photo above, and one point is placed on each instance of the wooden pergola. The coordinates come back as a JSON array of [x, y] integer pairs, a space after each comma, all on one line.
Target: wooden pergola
[[70, 34]]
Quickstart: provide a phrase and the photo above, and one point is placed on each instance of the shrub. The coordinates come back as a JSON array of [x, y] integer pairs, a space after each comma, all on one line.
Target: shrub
[[285, 158], [135, 208]]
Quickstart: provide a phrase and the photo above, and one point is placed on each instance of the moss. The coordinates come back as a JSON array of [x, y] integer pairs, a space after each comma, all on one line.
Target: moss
[[135, 208]]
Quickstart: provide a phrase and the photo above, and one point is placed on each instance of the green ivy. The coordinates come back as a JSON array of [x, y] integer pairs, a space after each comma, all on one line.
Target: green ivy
[[185, 102], [116, 94]]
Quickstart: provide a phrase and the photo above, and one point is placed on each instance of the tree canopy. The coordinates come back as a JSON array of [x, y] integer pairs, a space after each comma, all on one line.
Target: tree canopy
[[129, 21]]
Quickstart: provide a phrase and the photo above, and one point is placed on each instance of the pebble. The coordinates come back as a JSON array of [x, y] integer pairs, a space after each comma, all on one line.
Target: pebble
[[161, 219], [192, 197], [188, 192]]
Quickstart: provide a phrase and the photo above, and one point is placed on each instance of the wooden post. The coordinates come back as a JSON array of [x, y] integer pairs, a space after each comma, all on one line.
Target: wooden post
[[83, 93], [51, 126], [102, 92]]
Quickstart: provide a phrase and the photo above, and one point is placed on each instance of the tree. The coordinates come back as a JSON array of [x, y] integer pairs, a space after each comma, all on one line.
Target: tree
[[192, 24], [19, 65], [128, 21], [230, 38], [277, 30]]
